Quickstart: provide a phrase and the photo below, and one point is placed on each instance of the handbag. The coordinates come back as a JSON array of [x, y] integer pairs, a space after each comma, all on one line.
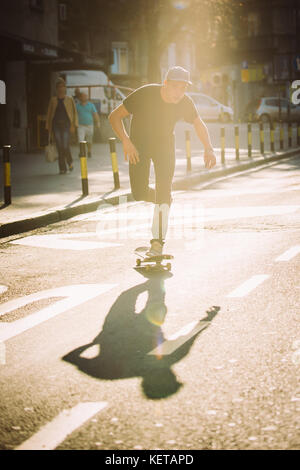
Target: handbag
[[51, 152]]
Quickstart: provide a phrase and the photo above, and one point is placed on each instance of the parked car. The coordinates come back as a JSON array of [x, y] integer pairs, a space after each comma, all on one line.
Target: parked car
[[267, 109], [211, 109]]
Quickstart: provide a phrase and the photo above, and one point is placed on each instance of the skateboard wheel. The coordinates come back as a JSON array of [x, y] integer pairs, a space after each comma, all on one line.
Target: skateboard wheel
[[169, 266], [138, 262]]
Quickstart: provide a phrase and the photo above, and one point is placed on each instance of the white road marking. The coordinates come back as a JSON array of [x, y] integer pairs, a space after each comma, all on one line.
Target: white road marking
[[63, 241], [249, 285], [92, 352], [197, 215], [54, 433], [76, 295], [289, 254], [182, 216], [243, 192], [3, 289], [2, 354], [178, 339]]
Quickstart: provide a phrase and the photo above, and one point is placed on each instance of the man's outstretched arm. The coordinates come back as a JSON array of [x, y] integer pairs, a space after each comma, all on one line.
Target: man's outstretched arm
[[202, 133], [116, 120]]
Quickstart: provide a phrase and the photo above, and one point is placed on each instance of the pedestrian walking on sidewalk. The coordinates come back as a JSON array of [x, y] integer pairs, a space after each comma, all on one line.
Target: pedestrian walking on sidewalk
[[62, 119], [155, 109], [77, 94], [87, 115]]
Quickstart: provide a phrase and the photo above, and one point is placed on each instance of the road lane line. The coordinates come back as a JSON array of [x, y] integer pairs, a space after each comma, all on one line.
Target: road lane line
[[289, 254], [3, 289], [75, 295], [178, 339], [64, 241], [249, 285], [55, 432]]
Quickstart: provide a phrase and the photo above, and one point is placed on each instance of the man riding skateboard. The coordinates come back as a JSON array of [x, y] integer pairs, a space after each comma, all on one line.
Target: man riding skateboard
[[155, 109]]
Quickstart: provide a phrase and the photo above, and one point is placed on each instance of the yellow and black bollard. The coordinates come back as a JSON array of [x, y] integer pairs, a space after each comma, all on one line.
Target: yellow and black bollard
[[114, 161], [272, 144], [237, 145], [281, 136], [290, 133], [7, 174], [223, 145], [249, 140], [83, 165], [188, 151], [262, 138]]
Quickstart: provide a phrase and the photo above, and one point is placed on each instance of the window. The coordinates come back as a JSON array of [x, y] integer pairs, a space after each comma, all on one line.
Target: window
[[62, 11], [120, 58], [284, 21], [284, 103], [38, 5], [272, 102], [202, 101], [253, 24]]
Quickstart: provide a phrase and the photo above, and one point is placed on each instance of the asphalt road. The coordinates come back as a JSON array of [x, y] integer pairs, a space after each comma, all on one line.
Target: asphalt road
[[95, 355]]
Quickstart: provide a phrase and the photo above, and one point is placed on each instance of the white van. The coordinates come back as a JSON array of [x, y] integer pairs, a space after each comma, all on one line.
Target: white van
[[96, 84]]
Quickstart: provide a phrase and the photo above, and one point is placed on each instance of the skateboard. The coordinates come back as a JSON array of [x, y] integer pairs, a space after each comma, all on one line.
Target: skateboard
[[152, 262]]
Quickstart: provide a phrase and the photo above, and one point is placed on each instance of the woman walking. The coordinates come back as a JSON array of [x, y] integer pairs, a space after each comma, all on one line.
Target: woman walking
[[62, 120]]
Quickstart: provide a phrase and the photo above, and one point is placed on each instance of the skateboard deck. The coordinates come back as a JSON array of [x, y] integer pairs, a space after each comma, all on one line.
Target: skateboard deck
[[152, 262]]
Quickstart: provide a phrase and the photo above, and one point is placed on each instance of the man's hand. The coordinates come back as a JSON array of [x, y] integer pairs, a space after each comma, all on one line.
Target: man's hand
[[130, 152], [209, 158]]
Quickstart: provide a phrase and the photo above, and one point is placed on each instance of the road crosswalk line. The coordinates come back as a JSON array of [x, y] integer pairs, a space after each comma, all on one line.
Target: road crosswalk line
[[249, 285], [54, 433], [289, 254]]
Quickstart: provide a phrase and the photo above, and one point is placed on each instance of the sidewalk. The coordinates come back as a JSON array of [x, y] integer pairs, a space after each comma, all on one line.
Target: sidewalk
[[41, 196]]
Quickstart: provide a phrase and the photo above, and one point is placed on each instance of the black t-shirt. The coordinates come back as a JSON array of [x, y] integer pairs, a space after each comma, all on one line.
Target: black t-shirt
[[153, 120]]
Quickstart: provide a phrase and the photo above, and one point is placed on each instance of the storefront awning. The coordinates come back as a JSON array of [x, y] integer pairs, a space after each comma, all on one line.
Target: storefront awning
[[19, 48]]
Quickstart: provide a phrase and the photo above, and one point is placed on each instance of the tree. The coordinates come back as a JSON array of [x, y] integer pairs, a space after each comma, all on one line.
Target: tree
[[161, 22]]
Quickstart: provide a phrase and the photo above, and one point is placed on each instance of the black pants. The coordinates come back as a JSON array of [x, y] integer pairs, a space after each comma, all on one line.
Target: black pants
[[62, 140], [164, 166]]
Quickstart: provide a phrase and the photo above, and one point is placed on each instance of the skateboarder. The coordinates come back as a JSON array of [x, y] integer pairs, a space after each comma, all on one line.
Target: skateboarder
[[155, 109]]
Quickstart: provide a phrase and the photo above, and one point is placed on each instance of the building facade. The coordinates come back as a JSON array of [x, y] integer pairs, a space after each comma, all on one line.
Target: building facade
[[28, 30]]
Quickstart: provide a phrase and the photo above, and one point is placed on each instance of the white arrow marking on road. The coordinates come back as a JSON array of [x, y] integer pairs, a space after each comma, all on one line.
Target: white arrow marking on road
[[289, 254], [178, 339], [55, 432], [63, 241], [76, 295], [249, 285]]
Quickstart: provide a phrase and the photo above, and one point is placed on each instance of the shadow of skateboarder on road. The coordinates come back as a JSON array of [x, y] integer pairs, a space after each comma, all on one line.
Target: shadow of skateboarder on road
[[127, 338]]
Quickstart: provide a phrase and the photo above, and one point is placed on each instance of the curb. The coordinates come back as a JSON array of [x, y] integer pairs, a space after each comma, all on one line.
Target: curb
[[199, 177], [58, 215]]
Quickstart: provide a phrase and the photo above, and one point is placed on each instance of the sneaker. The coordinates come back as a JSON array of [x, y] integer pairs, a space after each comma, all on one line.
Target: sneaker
[[155, 249], [62, 172], [71, 168]]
